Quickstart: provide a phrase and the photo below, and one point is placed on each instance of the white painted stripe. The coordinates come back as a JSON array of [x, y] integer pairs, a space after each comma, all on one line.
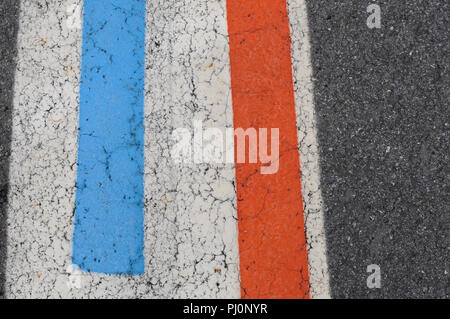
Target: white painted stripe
[[309, 151], [44, 138], [191, 247], [191, 235]]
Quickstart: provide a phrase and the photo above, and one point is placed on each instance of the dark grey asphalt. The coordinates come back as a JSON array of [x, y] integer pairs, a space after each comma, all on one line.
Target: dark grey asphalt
[[9, 10], [382, 98]]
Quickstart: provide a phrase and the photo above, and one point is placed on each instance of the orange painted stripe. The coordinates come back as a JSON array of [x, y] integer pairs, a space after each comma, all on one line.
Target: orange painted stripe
[[273, 254]]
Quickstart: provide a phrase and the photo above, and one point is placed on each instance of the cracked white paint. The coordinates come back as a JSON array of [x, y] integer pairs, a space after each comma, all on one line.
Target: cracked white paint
[[190, 224], [43, 158], [309, 150], [191, 247], [191, 235]]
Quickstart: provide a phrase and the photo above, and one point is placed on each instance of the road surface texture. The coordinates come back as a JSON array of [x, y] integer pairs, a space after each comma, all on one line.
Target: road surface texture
[[382, 96], [364, 149], [9, 20]]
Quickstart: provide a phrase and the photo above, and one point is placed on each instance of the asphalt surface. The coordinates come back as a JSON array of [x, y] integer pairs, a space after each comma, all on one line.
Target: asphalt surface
[[382, 101], [9, 10]]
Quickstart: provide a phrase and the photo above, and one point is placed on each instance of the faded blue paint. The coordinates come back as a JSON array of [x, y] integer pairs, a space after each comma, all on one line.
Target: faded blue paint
[[108, 232]]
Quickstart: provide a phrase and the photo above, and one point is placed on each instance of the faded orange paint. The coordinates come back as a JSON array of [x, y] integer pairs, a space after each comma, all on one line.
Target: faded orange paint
[[273, 254]]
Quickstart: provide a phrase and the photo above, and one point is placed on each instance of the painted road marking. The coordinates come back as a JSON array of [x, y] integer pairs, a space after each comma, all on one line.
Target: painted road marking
[[273, 251], [309, 152], [43, 152], [191, 244], [108, 231], [186, 254]]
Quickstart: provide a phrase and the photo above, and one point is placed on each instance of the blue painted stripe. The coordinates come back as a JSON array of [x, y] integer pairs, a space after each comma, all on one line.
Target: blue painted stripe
[[108, 231]]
